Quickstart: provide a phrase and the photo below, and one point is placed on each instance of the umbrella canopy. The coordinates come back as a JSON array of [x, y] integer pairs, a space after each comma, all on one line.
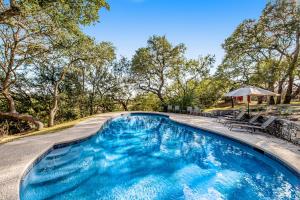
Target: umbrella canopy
[[250, 91]]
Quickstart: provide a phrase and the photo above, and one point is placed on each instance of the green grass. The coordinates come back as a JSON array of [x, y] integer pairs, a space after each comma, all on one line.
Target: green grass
[[47, 130], [253, 105], [295, 102]]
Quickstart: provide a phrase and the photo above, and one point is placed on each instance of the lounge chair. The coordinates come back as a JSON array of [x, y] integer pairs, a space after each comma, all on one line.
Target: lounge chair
[[170, 108], [176, 109], [196, 111], [253, 128], [225, 119], [251, 121], [189, 110]]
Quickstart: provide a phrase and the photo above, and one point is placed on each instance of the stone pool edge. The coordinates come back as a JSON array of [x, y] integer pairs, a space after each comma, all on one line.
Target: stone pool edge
[[287, 163]]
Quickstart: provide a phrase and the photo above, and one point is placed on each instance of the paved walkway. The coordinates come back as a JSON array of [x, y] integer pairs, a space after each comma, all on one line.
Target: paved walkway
[[16, 156]]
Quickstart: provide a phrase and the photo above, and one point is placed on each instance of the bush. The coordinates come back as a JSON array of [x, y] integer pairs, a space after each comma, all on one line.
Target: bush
[[11, 126]]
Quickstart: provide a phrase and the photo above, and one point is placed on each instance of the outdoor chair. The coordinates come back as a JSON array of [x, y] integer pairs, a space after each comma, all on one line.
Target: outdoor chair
[[189, 110], [170, 108], [225, 119], [251, 121], [177, 109], [253, 128], [196, 111]]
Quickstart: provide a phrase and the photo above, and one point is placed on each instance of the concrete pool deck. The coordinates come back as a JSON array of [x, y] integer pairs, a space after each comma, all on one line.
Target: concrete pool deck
[[18, 155]]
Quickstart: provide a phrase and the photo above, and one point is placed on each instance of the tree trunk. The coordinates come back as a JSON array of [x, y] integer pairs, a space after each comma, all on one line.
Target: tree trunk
[[82, 102], [91, 104], [278, 100], [162, 101], [28, 118], [288, 95], [271, 88], [12, 109], [51, 117], [280, 88], [54, 106], [271, 100], [124, 105], [292, 67], [10, 101], [259, 100], [14, 114], [296, 93]]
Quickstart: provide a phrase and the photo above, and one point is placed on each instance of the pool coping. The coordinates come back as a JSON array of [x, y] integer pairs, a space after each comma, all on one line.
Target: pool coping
[[172, 116]]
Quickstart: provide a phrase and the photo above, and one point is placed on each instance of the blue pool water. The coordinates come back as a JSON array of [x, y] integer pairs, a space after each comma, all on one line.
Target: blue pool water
[[151, 157]]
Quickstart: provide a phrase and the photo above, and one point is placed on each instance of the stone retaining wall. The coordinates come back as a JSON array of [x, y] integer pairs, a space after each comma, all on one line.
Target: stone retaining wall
[[285, 129]]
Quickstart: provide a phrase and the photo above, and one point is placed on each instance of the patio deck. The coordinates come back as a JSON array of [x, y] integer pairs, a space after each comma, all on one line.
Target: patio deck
[[16, 156]]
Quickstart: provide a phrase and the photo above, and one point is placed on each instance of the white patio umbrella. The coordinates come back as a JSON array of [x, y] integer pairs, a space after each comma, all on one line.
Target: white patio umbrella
[[250, 91]]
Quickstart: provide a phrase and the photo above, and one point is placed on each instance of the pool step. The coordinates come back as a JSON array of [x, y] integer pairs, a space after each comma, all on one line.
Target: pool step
[[57, 153], [49, 178], [47, 165], [59, 187]]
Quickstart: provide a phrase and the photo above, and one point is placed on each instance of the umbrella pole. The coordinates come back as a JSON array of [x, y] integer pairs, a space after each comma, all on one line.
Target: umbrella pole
[[248, 100], [248, 108]]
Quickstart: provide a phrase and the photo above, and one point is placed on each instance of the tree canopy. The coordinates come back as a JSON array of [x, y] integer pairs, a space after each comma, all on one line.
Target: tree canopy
[[51, 72], [265, 52]]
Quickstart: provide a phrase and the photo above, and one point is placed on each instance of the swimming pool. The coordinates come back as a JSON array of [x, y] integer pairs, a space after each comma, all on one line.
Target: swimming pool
[[142, 156]]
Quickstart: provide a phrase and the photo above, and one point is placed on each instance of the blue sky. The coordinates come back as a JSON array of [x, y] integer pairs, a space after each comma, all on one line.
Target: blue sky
[[202, 25]]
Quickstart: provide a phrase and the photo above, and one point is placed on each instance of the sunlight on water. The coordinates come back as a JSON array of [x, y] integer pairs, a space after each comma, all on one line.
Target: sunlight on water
[[151, 157]]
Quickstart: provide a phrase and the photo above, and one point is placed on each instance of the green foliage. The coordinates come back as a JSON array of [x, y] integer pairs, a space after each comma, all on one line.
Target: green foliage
[[124, 83], [162, 69], [209, 91], [153, 65], [10, 126], [265, 52], [61, 12], [146, 102], [187, 78], [41, 42]]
